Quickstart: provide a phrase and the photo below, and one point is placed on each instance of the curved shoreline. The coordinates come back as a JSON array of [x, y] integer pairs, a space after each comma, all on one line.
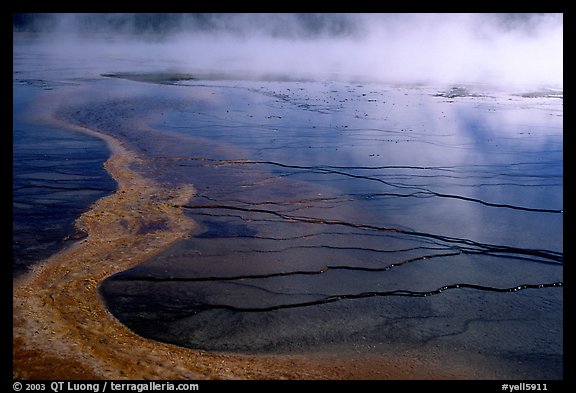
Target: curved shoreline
[[62, 329]]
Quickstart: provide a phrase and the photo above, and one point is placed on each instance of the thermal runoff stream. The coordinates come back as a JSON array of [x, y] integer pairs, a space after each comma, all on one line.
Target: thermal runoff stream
[[339, 215]]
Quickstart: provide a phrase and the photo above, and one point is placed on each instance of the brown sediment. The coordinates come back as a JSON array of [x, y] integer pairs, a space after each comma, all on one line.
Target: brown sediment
[[62, 329]]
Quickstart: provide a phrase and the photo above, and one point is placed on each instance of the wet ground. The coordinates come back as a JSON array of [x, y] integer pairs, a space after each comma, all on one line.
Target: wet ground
[[344, 217]]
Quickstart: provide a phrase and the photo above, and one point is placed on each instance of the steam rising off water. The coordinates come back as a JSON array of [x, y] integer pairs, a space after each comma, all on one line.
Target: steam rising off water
[[339, 211], [497, 49]]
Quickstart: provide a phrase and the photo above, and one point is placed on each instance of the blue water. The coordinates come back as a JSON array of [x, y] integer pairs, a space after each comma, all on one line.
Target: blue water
[[56, 175], [359, 218], [342, 217]]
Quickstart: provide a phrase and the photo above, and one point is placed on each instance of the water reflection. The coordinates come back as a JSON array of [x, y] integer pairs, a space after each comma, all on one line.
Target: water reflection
[[350, 216]]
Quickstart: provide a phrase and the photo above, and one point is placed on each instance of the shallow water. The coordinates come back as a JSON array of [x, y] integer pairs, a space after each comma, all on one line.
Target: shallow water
[[345, 217], [56, 175], [358, 218]]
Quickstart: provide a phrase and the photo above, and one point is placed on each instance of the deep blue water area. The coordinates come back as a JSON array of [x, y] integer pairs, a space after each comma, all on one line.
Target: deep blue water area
[[56, 175]]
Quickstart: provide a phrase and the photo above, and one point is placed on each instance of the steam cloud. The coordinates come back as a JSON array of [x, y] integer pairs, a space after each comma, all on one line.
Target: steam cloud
[[496, 49]]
